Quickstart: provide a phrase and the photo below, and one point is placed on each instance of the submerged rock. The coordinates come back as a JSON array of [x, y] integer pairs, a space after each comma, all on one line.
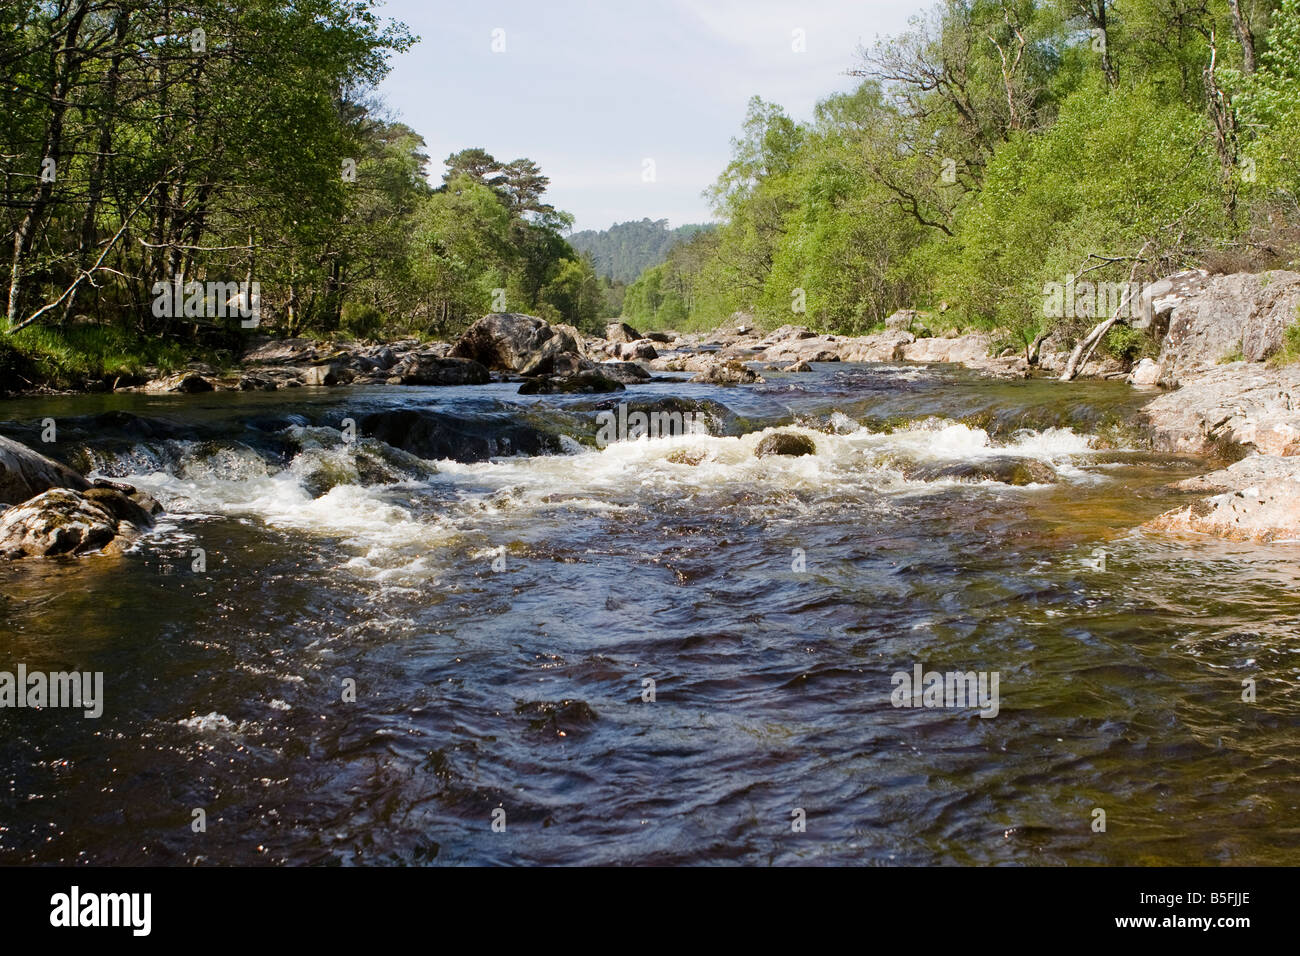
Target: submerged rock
[[785, 443], [1006, 469]]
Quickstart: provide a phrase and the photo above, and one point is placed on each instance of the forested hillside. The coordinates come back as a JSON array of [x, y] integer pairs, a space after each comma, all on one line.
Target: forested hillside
[[146, 147], [998, 147], [626, 249]]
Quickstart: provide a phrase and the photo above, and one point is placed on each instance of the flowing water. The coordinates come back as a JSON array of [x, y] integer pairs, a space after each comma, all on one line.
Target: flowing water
[[500, 617]]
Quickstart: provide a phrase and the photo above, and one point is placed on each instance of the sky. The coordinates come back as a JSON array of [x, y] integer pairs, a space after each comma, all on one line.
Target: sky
[[629, 106]]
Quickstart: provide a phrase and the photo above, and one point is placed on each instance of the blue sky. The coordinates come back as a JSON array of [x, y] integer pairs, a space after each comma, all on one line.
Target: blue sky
[[590, 90]]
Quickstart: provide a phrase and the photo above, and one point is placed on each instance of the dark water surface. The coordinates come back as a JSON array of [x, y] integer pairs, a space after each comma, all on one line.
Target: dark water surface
[[521, 688]]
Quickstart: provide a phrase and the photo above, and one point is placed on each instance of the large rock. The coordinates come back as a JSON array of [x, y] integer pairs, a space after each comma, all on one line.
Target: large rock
[[425, 369], [512, 342], [1269, 511], [629, 373], [590, 382], [25, 473], [902, 319], [1228, 409], [1243, 316], [185, 383], [62, 521], [785, 443], [727, 373], [640, 350], [621, 332], [438, 435]]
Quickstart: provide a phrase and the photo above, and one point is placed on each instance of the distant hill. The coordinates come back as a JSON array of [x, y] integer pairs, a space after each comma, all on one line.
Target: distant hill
[[626, 249]]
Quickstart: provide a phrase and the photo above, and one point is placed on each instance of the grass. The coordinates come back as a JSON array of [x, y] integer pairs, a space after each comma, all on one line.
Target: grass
[[1289, 353], [72, 356]]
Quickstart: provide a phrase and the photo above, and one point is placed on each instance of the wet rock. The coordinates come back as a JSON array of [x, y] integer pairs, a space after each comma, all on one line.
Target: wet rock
[[62, 521], [255, 383], [185, 383], [800, 366], [727, 373], [513, 342], [426, 369], [687, 456], [583, 382], [124, 503], [25, 473], [1007, 470], [629, 373], [436, 435], [1268, 511], [785, 443]]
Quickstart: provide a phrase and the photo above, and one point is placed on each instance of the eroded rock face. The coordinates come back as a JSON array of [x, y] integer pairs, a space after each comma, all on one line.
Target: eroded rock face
[[785, 443], [513, 342], [1243, 315], [63, 521], [1230, 409], [25, 473]]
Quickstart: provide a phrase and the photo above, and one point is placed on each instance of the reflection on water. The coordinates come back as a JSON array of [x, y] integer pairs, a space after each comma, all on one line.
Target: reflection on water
[[769, 601]]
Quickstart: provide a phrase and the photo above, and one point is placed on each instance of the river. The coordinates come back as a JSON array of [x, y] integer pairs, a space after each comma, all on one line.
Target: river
[[500, 619]]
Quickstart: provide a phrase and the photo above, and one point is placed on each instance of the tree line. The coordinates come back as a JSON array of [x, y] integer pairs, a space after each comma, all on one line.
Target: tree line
[[999, 146], [240, 141]]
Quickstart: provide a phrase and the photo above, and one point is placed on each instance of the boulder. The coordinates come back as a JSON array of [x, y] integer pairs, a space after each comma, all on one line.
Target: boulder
[[420, 368], [785, 443], [621, 332], [1006, 469], [727, 373], [901, 320], [643, 350], [326, 375], [439, 435], [800, 366], [590, 382], [1238, 316], [629, 373], [663, 338], [1228, 409], [1145, 374], [62, 521], [25, 473], [513, 342], [185, 383]]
